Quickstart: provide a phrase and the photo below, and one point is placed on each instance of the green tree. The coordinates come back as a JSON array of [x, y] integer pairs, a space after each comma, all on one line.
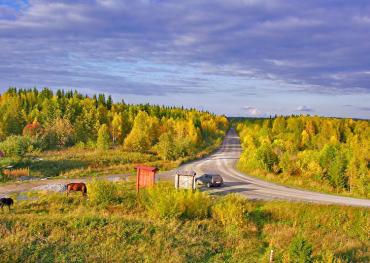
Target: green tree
[[337, 171], [103, 138], [165, 147], [266, 157]]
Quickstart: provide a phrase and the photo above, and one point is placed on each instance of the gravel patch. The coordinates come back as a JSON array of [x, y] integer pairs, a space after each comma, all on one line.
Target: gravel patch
[[51, 188]]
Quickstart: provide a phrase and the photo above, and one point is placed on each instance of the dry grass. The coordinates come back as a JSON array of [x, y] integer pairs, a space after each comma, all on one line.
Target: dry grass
[[57, 228], [15, 173]]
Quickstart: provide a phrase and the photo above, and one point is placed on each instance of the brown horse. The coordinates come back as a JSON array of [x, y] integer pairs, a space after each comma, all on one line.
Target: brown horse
[[77, 187]]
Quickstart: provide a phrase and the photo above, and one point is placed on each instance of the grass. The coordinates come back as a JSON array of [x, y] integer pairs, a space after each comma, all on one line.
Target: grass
[[123, 228]]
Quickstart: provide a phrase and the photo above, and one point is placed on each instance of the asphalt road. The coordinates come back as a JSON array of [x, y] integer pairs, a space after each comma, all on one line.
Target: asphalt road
[[223, 162]]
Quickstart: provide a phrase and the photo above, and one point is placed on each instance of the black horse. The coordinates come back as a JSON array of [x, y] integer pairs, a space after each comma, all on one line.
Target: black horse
[[4, 201]]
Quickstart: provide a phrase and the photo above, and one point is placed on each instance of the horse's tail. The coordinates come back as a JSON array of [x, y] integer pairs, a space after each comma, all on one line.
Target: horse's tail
[[84, 190]]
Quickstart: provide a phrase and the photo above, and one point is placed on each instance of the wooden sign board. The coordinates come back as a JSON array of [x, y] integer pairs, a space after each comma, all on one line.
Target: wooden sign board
[[185, 180]]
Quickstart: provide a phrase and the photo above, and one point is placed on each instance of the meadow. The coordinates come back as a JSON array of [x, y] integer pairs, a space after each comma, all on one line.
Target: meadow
[[76, 162], [165, 225]]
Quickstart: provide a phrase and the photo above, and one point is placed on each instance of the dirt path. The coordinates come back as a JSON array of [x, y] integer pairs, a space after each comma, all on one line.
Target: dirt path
[[19, 187]]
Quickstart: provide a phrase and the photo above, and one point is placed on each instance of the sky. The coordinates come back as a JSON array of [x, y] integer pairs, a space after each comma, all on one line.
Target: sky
[[250, 58]]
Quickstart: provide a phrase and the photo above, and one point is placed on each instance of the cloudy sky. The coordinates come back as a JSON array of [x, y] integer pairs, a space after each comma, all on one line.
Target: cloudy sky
[[237, 57]]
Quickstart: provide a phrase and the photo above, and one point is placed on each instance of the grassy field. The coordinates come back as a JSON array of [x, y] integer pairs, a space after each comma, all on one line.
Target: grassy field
[[77, 162], [165, 225]]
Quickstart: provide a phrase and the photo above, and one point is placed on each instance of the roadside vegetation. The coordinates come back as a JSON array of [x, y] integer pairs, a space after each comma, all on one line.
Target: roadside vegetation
[[166, 225], [324, 154], [43, 134]]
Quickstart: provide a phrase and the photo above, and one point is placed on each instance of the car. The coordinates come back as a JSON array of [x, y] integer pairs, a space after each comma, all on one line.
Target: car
[[210, 180]]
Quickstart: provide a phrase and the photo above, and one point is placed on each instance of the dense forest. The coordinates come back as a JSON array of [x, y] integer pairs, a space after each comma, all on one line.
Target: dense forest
[[313, 151], [33, 121]]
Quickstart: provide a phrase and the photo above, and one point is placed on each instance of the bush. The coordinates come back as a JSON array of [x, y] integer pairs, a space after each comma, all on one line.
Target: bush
[[231, 211], [163, 201], [267, 158], [15, 145], [103, 192], [300, 251]]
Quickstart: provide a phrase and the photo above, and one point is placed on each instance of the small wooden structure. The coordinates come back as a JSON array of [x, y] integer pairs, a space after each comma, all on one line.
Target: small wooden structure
[[145, 176], [185, 180], [2, 154]]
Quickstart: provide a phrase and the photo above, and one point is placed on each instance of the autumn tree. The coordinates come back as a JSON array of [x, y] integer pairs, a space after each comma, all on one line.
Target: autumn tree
[[103, 141], [59, 133], [116, 128], [139, 139]]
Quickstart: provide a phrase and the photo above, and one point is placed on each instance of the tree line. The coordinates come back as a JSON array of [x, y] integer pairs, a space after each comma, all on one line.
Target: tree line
[[329, 150], [33, 120]]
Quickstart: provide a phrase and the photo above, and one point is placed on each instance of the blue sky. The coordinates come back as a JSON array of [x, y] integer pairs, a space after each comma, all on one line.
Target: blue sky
[[234, 57]]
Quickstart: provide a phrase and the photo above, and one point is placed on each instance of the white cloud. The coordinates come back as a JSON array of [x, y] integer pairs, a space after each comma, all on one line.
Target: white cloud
[[304, 108], [252, 111]]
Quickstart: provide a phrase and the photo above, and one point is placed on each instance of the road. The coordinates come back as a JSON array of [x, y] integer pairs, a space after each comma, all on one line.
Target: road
[[223, 162]]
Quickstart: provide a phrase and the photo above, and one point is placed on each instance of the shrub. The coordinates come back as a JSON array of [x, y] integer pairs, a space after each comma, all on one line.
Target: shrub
[[231, 211], [197, 204], [15, 145], [103, 192], [300, 251], [266, 156], [163, 201]]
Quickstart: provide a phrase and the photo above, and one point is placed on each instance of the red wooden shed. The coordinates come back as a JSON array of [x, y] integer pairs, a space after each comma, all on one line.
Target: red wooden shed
[[2, 154], [145, 176]]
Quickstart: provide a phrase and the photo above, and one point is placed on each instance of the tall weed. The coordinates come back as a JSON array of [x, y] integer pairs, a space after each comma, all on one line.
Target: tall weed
[[103, 192], [163, 201], [231, 211]]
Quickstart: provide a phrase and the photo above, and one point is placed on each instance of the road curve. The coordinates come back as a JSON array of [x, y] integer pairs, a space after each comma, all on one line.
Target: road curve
[[223, 162]]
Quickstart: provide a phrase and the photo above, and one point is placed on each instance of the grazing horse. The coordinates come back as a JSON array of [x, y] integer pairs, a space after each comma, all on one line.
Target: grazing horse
[[4, 201], [77, 187]]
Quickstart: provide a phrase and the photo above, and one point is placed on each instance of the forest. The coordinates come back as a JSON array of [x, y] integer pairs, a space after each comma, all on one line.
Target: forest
[[69, 124], [326, 154]]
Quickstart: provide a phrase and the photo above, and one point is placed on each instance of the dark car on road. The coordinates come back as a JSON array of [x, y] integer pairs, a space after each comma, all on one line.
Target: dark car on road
[[209, 180]]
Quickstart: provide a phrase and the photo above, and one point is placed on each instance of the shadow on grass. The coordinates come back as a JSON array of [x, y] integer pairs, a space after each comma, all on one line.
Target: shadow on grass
[[51, 168], [350, 255], [260, 218]]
